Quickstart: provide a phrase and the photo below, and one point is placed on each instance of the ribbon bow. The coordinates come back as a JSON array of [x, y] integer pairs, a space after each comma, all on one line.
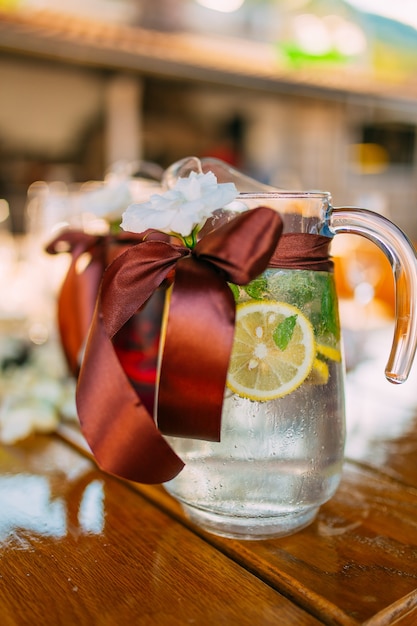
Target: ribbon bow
[[122, 435]]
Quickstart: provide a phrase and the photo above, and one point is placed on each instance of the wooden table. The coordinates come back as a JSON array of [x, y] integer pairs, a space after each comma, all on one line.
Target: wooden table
[[79, 547]]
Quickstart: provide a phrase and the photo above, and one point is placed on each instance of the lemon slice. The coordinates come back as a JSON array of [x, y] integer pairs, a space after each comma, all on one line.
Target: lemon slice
[[273, 350], [319, 374], [329, 352]]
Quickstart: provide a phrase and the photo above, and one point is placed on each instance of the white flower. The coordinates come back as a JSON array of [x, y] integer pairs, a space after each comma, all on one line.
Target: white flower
[[183, 209]]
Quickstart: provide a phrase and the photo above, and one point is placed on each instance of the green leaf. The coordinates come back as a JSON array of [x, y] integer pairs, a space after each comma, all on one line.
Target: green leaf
[[257, 287], [296, 287], [283, 333], [235, 291], [329, 311]]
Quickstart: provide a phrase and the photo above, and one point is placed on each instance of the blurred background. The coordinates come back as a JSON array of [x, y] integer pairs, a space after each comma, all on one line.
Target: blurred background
[[301, 94]]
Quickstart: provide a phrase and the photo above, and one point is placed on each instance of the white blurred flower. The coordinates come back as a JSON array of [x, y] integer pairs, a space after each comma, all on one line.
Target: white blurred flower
[[183, 210], [35, 396], [107, 201], [22, 418]]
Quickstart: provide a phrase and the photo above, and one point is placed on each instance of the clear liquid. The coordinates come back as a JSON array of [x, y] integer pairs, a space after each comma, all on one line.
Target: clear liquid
[[276, 463]]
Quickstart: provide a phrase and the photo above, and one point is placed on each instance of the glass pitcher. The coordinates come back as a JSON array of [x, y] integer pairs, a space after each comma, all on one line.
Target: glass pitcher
[[283, 420]]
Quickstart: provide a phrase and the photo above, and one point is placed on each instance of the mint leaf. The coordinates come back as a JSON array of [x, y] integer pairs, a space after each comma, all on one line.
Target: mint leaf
[[235, 291], [284, 331], [329, 310], [256, 288], [296, 286]]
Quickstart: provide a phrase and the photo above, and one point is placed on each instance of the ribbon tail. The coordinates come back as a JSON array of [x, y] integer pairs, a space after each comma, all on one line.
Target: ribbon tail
[[198, 343], [118, 428], [201, 319]]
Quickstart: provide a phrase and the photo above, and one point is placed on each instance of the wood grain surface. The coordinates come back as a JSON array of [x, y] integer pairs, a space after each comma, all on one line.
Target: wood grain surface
[[356, 564], [78, 547]]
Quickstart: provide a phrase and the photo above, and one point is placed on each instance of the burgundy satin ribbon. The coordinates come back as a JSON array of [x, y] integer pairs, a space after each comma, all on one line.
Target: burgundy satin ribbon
[[302, 251], [120, 431], [78, 293]]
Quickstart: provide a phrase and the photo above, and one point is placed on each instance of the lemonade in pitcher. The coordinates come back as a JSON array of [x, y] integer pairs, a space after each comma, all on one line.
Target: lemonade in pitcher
[[282, 437], [281, 450]]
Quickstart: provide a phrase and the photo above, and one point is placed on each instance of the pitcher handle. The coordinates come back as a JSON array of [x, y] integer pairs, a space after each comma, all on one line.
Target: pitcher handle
[[402, 257]]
